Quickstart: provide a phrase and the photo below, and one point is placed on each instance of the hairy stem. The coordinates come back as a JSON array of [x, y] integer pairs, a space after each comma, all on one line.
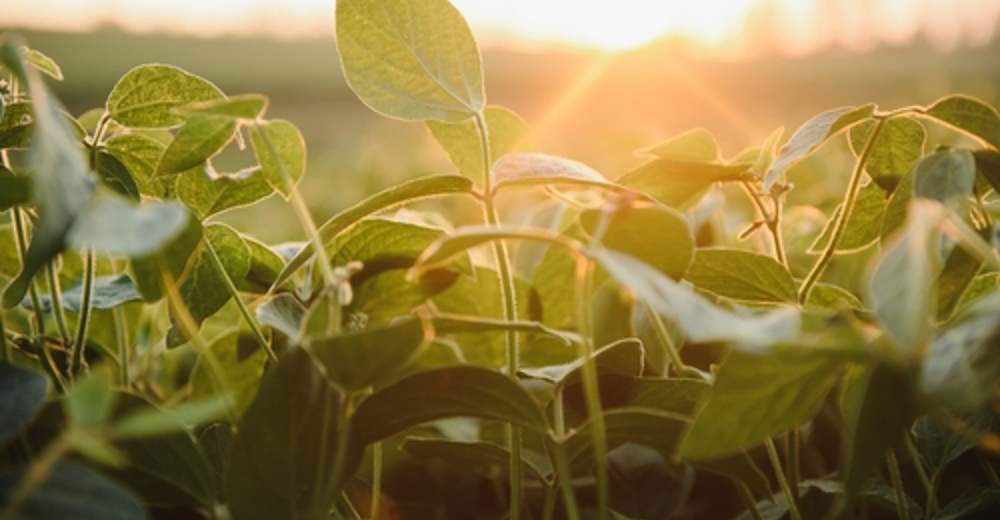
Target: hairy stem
[[845, 214], [55, 294], [509, 296], [772, 452], [897, 485], [86, 300], [235, 293], [747, 498]]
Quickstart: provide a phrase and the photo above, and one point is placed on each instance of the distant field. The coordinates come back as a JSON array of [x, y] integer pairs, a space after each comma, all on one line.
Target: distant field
[[639, 98]]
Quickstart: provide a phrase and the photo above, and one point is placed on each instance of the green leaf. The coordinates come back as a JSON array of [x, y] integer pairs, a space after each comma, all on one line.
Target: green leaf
[[741, 275], [139, 154], [147, 96], [410, 60], [22, 393], [42, 62], [285, 314], [970, 115], [895, 210], [945, 176], [108, 293], [16, 125], [243, 371], [448, 248], [831, 297], [981, 286], [201, 137], [899, 145], [281, 154], [384, 238], [467, 456], [700, 320], [114, 225], [696, 145], [901, 286], [14, 190], [676, 183], [957, 275], [72, 491], [811, 135], [507, 132], [756, 396], [246, 106], [968, 503], [208, 193], [116, 176], [988, 164], [411, 191], [172, 257], [61, 182], [153, 421], [864, 225], [669, 250], [940, 445], [660, 431], [265, 265], [623, 357], [285, 448], [538, 169], [369, 358], [91, 399], [767, 153], [437, 394]]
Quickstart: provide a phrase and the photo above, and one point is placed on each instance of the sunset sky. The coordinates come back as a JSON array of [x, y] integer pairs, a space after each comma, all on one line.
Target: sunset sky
[[796, 26]]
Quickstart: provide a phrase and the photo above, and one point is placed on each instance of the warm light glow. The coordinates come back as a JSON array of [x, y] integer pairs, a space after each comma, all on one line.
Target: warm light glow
[[791, 25]]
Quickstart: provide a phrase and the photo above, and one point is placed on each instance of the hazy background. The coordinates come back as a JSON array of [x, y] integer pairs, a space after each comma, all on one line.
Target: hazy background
[[595, 83]]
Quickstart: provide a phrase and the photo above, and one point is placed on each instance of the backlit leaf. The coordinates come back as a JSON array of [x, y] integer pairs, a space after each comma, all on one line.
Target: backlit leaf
[[959, 272], [147, 96], [970, 115], [696, 145], [897, 148], [208, 193], [139, 154], [676, 183], [449, 247], [265, 264], [895, 210], [43, 63], [538, 169], [281, 153], [115, 175], [863, 226], [201, 137], [507, 131], [16, 125], [945, 176], [741, 275], [246, 106], [659, 236]]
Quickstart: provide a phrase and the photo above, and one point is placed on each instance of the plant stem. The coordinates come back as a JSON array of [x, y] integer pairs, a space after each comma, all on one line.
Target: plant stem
[[747, 497], [792, 442], [772, 452], [55, 293], [235, 293], [376, 479], [86, 300], [989, 470], [845, 214], [565, 481], [929, 484], [668, 344], [509, 296], [897, 485], [21, 241]]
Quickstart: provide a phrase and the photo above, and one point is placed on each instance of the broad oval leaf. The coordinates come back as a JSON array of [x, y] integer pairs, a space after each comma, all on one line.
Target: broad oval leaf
[[538, 169], [696, 145], [281, 153], [410, 59], [201, 137], [22, 393], [411, 191], [659, 236], [864, 225], [108, 292], [115, 175], [945, 176], [72, 491], [676, 183], [507, 131], [970, 115], [368, 358], [449, 392], [897, 148], [147, 95], [208, 193], [741, 275], [812, 134], [118, 227], [246, 106], [449, 247], [658, 430], [139, 154]]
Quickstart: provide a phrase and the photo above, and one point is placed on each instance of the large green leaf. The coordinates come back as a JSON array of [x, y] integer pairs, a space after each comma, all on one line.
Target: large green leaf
[[812, 134], [281, 153], [72, 491], [756, 396], [897, 148], [701, 320], [147, 95], [411, 191], [659, 236], [468, 456], [201, 137], [172, 257], [676, 183], [449, 392], [864, 225], [91, 400], [507, 131], [242, 362], [970, 115], [14, 190], [208, 193], [139, 154], [410, 59], [945, 176], [108, 293], [939, 444], [285, 449], [658, 430], [265, 264], [61, 183], [741, 275], [21, 395], [119, 227], [538, 169], [368, 358], [696, 145], [448, 248]]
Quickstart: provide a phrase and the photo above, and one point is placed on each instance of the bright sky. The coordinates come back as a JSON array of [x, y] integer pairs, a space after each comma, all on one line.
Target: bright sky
[[794, 25]]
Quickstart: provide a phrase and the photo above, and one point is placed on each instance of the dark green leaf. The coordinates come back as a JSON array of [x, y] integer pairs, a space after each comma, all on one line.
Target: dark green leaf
[[108, 293], [945, 176], [201, 137], [265, 264], [466, 456], [864, 226], [696, 145], [971, 502], [401, 68], [507, 131], [281, 154], [21, 395], [369, 358], [72, 491], [116, 176], [897, 148], [676, 183], [114, 225], [147, 96], [741, 275], [172, 257], [970, 115], [448, 392], [669, 249], [658, 430], [14, 190], [208, 193], [988, 164], [16, 125], [623, 357], [940, 445]]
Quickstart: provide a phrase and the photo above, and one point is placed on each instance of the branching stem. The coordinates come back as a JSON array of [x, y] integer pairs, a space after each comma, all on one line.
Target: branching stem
[[86, 301], [235, 293], [772, 452]]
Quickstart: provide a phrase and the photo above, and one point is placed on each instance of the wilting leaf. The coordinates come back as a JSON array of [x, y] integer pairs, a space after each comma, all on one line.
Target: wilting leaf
[[741, 275], [410, 60], [208, 193], [22, 393], [812, 134], [897, 148], [147, 96], [864, 225], [119, 227], [448, 392], [201, 137], [538, 169], [696, 145], [507, 131], [675, 183], [281, 154], [968, 114], [72, 491], [659, 236], [945, 176]]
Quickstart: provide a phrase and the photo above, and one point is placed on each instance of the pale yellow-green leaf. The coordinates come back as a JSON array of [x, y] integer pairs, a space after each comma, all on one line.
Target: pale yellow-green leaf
[[508, 133]]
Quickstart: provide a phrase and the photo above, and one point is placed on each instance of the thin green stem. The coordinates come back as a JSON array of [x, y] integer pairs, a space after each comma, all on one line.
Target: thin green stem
[[565, 481], [376, 479], [772, 452], [352, 511], [663, 335], [918, 466], [747, 498], [897, 485], [21, 241], [845, 214], [792, 442], [584, 318], [235, 293], [772, 220], [86, 300], [55, 294], [509, 296]]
